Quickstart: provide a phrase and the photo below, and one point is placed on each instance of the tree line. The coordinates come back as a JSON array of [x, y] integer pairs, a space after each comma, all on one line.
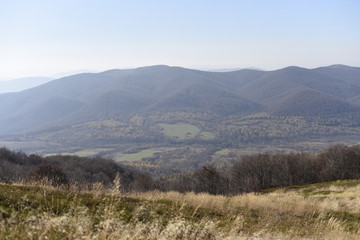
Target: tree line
[[65, 170], [248, 174], [266, 170]]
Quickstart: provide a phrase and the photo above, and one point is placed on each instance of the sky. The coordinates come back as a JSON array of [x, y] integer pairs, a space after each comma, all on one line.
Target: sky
[[46, 37]]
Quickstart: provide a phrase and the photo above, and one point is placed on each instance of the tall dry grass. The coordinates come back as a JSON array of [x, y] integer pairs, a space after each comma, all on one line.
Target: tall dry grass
[[302, 216], [339, 199], [100, 213]]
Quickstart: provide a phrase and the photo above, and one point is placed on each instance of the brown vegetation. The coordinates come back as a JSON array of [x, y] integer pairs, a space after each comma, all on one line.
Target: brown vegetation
[[248, 174], [319, 211], [264, 171]]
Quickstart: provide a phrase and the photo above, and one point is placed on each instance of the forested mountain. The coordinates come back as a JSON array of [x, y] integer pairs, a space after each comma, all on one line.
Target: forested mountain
[[167, 120], [119, 94]]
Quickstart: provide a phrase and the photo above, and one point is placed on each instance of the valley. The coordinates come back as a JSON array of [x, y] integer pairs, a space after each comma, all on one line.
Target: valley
[[175, 147], [166, 120]]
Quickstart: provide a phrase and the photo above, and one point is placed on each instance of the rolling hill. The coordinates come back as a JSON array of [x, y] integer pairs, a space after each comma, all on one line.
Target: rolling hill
[[119, 94], [212, 101]]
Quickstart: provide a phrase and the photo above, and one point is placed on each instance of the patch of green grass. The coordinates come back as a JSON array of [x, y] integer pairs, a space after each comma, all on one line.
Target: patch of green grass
[[339, 183], [85, 153], [223, 151], [207, 135], [311, 189], [132, 157], [184, 131], [180, 131], [79, 154], [82, 153], [351, 220], [323, 192]]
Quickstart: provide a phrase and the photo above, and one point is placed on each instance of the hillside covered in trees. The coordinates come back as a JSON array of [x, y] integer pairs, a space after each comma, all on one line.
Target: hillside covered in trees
[[169, 120], [248, 174]]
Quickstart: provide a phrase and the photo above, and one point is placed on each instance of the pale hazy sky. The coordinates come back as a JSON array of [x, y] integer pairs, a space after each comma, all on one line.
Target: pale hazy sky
[[45, 37]]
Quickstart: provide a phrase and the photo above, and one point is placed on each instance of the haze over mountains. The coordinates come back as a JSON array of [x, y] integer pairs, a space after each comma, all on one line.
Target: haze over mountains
[[120, 94], [21, 84]]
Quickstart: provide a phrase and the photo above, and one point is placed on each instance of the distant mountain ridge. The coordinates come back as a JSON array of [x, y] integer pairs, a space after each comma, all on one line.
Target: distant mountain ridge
[[21, 84], [120, 94]]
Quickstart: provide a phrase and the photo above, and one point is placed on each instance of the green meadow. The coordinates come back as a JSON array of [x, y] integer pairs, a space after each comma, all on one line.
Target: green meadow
[[184, 131], [132, 157]]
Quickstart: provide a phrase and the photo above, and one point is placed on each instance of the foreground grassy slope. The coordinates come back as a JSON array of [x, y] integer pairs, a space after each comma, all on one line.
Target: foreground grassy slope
[[320, 211]]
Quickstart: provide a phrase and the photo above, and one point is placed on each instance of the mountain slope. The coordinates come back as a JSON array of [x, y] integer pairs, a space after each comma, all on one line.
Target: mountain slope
[[310, 103], [343, 72], [205, 97], [299, 91], [120, 94], [276, 83]]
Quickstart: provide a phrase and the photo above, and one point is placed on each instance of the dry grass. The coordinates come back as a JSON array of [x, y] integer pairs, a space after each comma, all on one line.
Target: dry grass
[[331, 212], [341, 199], [43, 212]]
